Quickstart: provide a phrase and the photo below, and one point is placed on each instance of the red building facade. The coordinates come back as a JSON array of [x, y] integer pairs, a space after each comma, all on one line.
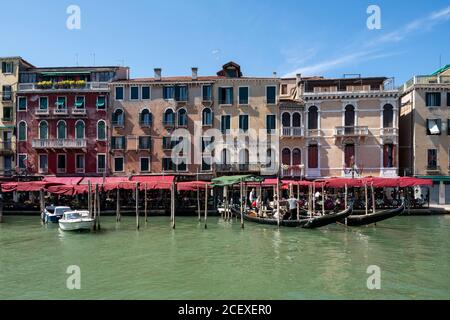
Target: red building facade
[[62, 121]]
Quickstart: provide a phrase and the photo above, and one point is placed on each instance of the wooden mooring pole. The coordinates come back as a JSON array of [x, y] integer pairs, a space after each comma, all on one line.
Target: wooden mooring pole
[[145, 203], [90, 199], [172, 205], [198, 204], [118, 204], [98, 207], [242, 204], [206, 204], [137, 206]]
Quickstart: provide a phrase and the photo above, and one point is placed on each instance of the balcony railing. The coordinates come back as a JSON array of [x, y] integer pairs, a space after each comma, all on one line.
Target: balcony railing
[[145, 124], [433, 168], [389, 132], [425, 80], [60, 111], [76, 111], [313, 133], [117, 123], [351, 131], [292, 132], [168, 123], [56, 86], [59, 143], [41, 112]]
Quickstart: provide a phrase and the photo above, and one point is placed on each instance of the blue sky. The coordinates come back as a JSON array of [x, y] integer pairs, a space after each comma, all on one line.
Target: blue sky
[[317, 37]]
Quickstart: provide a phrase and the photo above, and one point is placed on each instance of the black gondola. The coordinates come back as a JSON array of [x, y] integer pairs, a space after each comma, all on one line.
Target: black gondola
[[307, 223], [365, 219]]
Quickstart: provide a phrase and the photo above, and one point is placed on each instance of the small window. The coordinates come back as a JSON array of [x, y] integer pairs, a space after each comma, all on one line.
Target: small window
[[243, 95], [43, 103], [433, 126], [207, 118], [243, 122], [43, 163], [206, 164], [433, 99], [61, 163], [168, 164], [119, 93], [181, 165], [61, 103], [145, 164], [168, 93], [145, 118], [432, 159], [146, 93], [101, 103], [22, 161], [7, 114], [79, 102], [226, 96], [388, 155], [134, 93], [182, 118], [207, 90], [118, 164], [225, 123], [79, 163], [181, 93], [271, 123], [271, 94], [144, 143], [284, 89], [7, 67], [448, 99], [101, 163], [22, 103], [7, 93], [118, 143]]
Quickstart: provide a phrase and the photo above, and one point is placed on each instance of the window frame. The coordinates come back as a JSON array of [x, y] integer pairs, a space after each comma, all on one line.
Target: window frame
[[18, 160], [76, 163], [140, 165], [39, 162], [18, 131], [248, 96], [97, 162], [131, 94], [149, 93], [57, 163], [18, 103], [123, 163], [115, 93], [275, 95]]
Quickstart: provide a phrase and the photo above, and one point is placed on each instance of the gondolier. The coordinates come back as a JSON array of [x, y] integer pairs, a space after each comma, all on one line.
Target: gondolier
[[293, 203]]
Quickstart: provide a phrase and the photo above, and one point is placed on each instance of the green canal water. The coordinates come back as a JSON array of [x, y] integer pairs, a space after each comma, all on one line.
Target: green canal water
[[225, 262]]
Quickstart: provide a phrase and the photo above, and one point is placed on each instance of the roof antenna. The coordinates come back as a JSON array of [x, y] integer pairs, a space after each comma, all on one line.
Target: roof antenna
[[93, 56], [76, 57], [440, 61]]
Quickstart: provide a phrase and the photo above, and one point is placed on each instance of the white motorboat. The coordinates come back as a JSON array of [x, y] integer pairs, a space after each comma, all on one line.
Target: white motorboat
[[76, 220], [53, 214]]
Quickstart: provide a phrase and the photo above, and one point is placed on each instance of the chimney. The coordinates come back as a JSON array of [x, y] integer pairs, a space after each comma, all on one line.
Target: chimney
[[298, 77], [299, 84], [194, 73], [158, 74], [274, 74]]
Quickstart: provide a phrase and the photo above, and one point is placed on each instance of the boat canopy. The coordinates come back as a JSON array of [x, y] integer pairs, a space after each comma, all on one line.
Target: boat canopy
[[231, 180]]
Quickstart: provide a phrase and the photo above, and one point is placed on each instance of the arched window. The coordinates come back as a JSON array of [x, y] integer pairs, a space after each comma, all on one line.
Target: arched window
[[244, 159], [61, 132], [270, 160], [296, 157], [145, 118], [286, 119], [388, 116], [169, 117], [296, 120], [101, 130], [182, 117], [349, 119], [79, 129], [118, 117], [22, 131], [286, 156], [207, 117], [313, 118], [43, 130]]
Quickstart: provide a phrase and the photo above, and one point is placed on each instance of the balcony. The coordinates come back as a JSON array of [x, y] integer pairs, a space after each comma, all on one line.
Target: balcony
[[59, 143], [145, 124], [292, 132], [433, 169], [79, 112], [351, 131], [313, 133], [61, 112], [389, 134], [86, 86], [41, 112]]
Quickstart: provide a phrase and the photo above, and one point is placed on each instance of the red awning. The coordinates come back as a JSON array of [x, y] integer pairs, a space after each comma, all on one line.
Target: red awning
[[412, 182], [107, 180], [30, 186], [337, 182], [154, 182], [192, 185], [64, 180]]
